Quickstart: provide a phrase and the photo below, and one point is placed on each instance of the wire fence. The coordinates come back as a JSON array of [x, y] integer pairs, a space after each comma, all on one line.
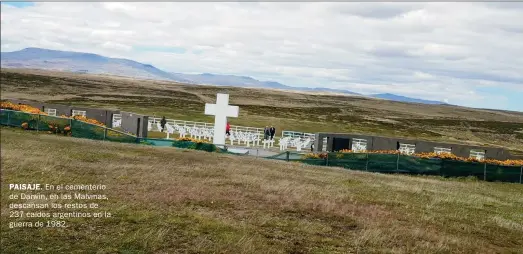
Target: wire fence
[[404, 164], [63, 126], [81, 129], [382, 163]]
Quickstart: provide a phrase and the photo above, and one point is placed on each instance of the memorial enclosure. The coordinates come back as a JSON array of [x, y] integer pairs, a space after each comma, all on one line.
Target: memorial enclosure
[[286, 110]]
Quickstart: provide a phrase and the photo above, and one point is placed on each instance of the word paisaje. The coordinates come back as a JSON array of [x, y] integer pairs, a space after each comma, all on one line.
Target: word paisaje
[[25, 186]]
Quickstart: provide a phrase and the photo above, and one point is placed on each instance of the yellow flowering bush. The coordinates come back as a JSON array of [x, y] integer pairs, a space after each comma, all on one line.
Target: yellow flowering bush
[[21, 107], [315, 156], [449, 156], [88, 120], [432, 155]]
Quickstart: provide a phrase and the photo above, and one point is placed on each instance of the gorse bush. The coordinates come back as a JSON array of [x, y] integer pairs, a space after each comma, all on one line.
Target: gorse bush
[[21, 107], [33, 110], [443, 156]]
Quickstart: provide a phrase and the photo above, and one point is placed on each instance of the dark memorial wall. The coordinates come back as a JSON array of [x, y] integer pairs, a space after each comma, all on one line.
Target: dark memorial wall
[[339, 141], [340, 144]]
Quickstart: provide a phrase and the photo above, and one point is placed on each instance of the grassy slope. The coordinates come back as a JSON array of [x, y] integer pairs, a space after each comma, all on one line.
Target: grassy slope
[[285, 110], [177, 201]]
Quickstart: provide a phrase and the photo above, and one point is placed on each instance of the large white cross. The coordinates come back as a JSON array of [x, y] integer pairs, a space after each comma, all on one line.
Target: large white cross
[[221, 110]]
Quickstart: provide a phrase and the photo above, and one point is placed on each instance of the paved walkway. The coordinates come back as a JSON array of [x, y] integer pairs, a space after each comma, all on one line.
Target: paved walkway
[[257, 151]]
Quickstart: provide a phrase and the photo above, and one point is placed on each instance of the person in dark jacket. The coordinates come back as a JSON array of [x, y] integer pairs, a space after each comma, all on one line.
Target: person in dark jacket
[[163, 122], [272, 131], [266, 133]]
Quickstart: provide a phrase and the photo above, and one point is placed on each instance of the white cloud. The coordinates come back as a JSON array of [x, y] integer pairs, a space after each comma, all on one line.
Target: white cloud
[[441, 51], [112, 45]]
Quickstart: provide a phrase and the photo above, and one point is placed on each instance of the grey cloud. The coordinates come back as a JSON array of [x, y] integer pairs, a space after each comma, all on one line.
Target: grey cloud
[[412, 48], [375, 10], [505, 5], [391, 53]]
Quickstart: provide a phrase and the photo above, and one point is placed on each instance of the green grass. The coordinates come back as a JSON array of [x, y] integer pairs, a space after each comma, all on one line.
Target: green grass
[[168, 200]]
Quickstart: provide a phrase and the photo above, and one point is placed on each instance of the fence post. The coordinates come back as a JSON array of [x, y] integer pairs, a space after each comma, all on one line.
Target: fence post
[[441, 166], [398, 164], [367, 163], [327, 160], [105, 132], [287, 155], [485, 172], [38, 123], [520, 174]]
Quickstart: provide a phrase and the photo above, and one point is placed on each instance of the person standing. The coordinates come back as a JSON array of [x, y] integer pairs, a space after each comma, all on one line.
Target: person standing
[[272, 131], [228, 129], [266, 133], [163, 122]]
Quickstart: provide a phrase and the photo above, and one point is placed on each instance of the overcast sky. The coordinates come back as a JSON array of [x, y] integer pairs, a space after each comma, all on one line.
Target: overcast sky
[[468, 54]]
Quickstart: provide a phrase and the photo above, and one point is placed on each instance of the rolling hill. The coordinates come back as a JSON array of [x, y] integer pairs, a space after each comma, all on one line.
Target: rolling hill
[[37, 58], [167, 200], [46, 59]]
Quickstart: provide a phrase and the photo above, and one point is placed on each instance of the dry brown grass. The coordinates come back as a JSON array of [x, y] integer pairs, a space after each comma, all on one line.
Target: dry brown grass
[[286, 110], [168, 200]]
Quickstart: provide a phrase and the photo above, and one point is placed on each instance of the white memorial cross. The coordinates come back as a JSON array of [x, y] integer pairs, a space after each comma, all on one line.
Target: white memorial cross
[[221, 110]]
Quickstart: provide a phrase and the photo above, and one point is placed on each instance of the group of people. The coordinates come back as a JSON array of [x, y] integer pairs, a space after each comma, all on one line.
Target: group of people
[[269, 133]]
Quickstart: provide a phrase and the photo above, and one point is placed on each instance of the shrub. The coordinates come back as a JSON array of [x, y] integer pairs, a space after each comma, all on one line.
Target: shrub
[[21, 107], [443, 156], [204, 146]]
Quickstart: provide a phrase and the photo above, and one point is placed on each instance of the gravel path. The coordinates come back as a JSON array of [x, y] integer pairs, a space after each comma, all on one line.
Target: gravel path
[[260, 152]]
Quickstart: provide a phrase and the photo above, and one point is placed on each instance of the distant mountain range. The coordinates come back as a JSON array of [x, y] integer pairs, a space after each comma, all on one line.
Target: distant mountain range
[[46, 59], [393, 97], [242, 81], [38, 58]]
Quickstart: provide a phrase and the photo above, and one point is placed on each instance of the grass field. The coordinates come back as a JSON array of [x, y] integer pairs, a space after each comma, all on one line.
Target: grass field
[[285, 110], [167, 200]]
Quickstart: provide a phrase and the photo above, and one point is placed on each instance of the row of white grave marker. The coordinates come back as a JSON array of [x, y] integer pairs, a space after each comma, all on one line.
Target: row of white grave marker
[[204, 133], [221, 110], [236, 138], [245, 138], [297, 142]]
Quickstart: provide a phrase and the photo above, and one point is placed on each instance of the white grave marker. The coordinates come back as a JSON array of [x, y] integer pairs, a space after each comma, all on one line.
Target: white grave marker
[[221, 110]]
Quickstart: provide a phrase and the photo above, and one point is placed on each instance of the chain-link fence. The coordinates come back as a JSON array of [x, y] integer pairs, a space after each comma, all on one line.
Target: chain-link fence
[[397, 163], [64, 126], [203, 146], [383, 163], [81, 129]]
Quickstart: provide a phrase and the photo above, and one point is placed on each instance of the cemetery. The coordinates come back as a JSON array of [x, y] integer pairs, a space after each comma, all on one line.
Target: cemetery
[[213, 196], [129, 127]]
